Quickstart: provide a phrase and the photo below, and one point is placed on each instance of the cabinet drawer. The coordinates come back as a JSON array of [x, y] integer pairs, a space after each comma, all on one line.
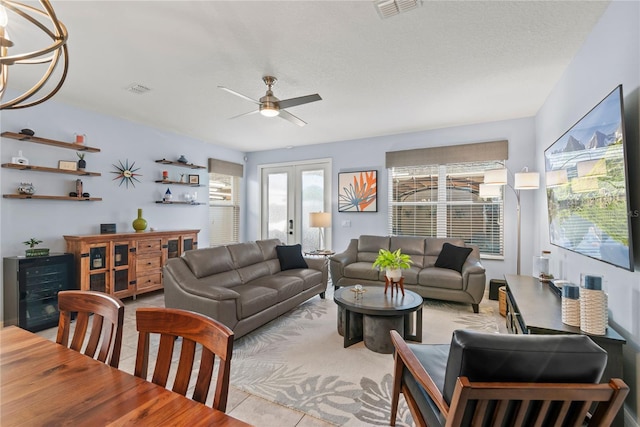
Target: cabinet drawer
[[148, 282], [152, 263], [149, 245]]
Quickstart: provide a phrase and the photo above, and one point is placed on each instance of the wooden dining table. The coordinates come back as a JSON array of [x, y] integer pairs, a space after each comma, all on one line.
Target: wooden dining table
[[44, 383]]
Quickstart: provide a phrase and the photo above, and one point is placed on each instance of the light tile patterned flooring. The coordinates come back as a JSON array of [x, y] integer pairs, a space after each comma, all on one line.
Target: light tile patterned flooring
[[241, 405]]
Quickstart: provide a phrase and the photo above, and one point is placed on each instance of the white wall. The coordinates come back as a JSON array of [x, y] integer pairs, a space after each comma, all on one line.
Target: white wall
[[370, 154], [610, 56], [118, 140]]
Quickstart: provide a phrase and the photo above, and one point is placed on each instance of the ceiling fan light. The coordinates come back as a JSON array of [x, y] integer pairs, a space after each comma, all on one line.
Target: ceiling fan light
[[269, 111]]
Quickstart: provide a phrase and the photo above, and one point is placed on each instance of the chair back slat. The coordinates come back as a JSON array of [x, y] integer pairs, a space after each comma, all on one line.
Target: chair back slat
[[107, 317], [185, 366], [546, 404], [215, 339]]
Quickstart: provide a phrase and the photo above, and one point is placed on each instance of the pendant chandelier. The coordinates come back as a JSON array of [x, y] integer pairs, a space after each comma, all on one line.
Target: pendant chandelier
[[15, 15]]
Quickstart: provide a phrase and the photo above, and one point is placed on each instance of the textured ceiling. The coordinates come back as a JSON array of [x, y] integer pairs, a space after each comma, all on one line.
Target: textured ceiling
[[444, 64]]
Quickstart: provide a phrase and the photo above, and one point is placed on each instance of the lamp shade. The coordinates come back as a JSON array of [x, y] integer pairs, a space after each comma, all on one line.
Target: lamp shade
[[320, 219], [496, 176], [487, 191], [526, 181]]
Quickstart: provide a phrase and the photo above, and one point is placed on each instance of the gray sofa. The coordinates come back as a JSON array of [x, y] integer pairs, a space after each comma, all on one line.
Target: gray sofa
[[241, 285], [354, 266]]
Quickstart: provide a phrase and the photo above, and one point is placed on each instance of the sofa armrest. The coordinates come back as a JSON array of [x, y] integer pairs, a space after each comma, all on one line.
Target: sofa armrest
[[338, 261], [316, 263]]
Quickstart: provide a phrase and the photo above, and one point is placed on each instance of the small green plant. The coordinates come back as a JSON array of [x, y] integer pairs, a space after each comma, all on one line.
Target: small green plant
[[388, 260], [80, 155], [32, 243]]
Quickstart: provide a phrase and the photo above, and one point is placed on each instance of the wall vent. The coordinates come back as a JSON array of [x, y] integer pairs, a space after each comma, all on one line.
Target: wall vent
[[137, 88], [389, 8]]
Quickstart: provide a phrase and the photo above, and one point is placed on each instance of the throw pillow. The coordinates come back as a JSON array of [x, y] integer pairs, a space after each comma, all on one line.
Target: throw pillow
[[452, 257], [291, 257]]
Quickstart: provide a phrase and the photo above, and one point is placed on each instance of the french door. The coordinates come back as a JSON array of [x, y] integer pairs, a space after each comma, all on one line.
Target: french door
[[290, 192]]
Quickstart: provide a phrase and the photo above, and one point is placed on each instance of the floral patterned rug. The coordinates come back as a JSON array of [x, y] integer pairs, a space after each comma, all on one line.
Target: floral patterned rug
[[298, 361]]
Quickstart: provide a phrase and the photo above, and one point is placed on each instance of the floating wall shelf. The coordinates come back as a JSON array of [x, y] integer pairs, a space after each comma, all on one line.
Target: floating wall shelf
[[45, 141]]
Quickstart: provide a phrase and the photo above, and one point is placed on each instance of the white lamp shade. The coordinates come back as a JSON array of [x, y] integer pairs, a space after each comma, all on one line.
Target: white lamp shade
[[496, 177], [556, 178], [487, 191], [320, 219], [526, 181]]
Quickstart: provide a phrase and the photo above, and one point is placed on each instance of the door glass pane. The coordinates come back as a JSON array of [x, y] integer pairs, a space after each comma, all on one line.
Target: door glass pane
[[121, 280], [277, 209], [172, 248], [121, 255], [312, 201]]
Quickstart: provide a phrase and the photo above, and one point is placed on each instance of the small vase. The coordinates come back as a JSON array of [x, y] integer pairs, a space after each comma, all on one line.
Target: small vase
[[82, 164], [139, 224]]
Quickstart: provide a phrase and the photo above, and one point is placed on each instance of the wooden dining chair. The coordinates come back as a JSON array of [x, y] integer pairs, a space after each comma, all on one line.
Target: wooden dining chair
[[215, 338], [105, 337]]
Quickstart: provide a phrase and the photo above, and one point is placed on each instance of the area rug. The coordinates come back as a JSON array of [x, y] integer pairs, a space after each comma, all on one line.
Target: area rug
[[298, 361]]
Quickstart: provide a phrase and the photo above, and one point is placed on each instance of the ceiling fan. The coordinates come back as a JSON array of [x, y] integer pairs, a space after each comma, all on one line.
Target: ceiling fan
[[270, 106]]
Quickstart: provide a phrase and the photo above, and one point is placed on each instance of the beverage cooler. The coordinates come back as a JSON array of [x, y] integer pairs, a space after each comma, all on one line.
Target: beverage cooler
[[31, 287]]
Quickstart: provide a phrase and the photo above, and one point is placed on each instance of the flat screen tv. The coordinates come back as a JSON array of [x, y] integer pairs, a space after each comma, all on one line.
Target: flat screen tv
[[587, 186]]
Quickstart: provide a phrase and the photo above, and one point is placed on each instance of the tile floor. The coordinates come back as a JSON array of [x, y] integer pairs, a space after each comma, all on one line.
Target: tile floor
[[241, 405]]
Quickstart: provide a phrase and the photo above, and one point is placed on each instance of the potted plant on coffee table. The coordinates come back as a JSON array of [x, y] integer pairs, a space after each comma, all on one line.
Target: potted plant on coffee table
[[393, 263], [33, 251]]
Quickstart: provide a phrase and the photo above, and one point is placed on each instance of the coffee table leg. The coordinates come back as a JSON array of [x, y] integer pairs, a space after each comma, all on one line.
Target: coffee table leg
[[351, 327], [376, 332], [417, 327]]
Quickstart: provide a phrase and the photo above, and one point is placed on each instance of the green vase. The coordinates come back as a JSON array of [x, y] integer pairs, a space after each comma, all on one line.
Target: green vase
[[139, 224]]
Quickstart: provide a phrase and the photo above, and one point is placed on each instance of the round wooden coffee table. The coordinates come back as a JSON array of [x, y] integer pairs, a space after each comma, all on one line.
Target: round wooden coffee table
[[370, 315]]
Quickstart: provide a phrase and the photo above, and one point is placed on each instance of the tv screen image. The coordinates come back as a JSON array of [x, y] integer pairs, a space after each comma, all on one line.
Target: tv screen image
[[587, 186]]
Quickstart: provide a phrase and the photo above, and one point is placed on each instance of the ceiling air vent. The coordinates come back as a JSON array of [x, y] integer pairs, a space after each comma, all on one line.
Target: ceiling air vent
[[389, 8], [137, 88]]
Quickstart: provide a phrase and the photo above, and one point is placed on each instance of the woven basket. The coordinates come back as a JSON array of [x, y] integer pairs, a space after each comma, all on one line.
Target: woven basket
[[593, 311], [502, 301], [571, 311]]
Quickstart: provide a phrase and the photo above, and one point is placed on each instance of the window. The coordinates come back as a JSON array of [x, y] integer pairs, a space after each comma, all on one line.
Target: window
[[443, 201], [225, 180]]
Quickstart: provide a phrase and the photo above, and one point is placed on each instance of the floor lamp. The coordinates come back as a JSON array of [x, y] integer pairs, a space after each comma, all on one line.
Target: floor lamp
[[320, 220], [524, 180]]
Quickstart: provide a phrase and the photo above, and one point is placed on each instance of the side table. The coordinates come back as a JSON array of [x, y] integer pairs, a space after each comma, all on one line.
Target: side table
[[323, 253]]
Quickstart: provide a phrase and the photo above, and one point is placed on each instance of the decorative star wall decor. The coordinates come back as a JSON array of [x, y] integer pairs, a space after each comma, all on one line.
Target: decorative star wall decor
[[126, 173]]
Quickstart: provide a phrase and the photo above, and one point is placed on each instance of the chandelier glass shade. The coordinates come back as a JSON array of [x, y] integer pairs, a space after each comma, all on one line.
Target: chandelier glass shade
[[15, 19]]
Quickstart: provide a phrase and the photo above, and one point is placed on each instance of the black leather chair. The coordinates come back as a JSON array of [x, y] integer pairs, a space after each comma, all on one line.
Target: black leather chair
[[502, 379]]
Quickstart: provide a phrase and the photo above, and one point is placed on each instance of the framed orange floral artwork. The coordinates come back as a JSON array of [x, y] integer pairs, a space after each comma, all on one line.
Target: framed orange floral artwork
[[358, 191]]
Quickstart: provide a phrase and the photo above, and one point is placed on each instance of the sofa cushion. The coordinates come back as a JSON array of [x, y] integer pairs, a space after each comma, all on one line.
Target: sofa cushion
[[208, 261], [244, 254], [254, 299], [362, 270], [268, 248], [286, 286], [452, 257], [310, 277], [290, 257], [483, 356], [410, 245], [369, 246], [442, 278]]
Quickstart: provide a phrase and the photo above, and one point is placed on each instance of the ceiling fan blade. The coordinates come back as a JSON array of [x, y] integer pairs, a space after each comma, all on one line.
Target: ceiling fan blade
[[245, 114], [293, 119], [292, 102], [239, 94]]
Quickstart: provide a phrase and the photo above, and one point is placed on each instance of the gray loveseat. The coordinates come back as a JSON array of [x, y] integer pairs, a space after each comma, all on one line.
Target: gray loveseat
[[241, 285], [354, 266]]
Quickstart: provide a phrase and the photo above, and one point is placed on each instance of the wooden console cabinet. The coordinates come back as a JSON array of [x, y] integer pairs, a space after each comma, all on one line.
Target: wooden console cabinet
[[126, 264], [533, 308]]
